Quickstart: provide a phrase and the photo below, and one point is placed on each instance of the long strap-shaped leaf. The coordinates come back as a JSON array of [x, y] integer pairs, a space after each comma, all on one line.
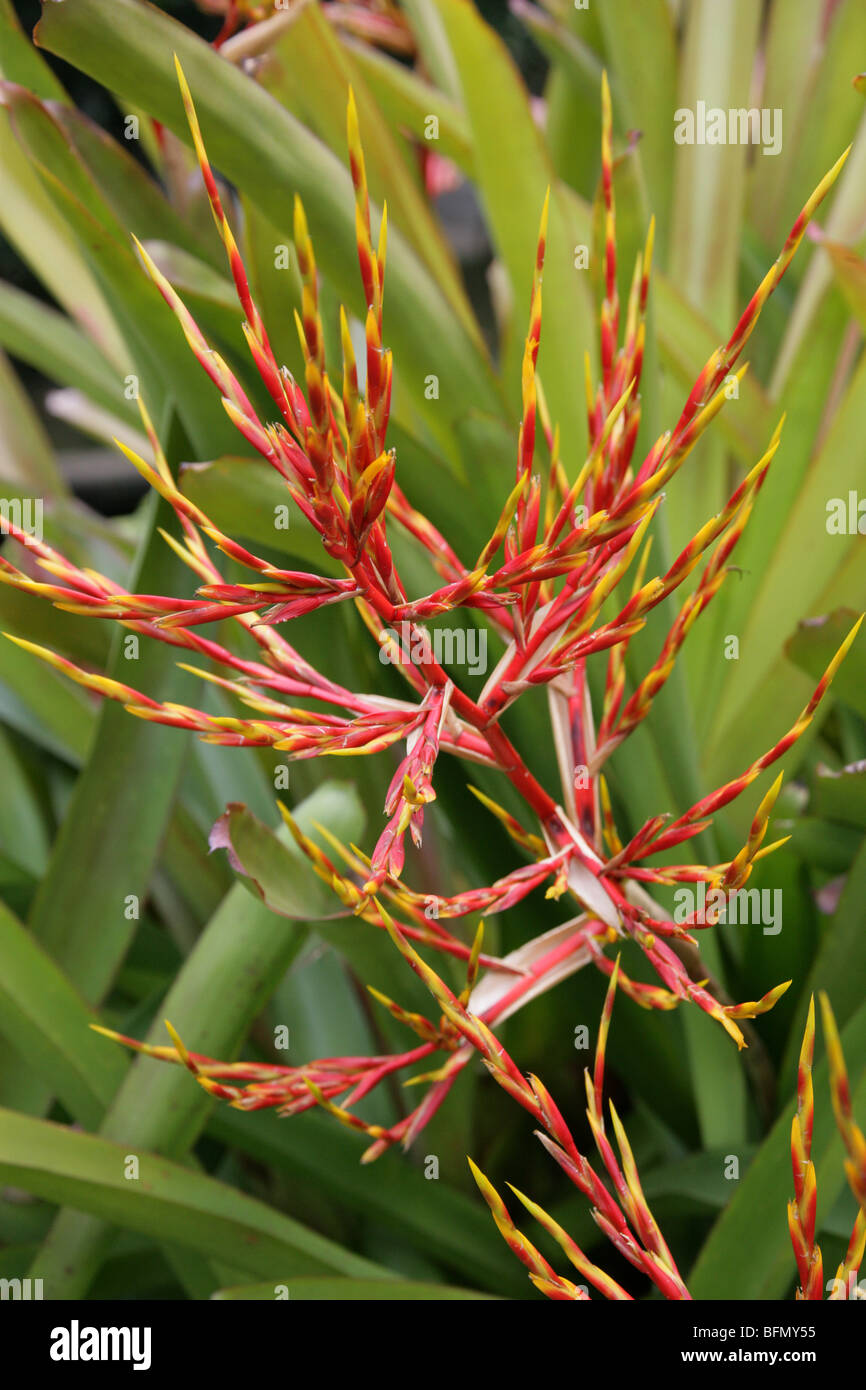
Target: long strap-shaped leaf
[[237, 960], [166, 1201]]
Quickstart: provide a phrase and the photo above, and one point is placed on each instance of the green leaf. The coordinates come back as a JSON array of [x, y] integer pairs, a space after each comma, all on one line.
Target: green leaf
[[34, 227], [501, 104], [24, 815], [699, 1178], [23, 1221], [706, 219], [716, 68], [122, 797], [831, 112], [234, 964], [834, 571], [407, 102], [824, 844], [46, 1021], [272, 874], [155, 338], [167, 1202], [580, 64], [39, 335], [795, 47], [840, 963], [19, 60], [841, 795], [271, 868], [850, 272], [27, 466], [640, 41], [686, 342], [314, 1150], [816, 642], [432, 39], [135, 199], [809, 382]]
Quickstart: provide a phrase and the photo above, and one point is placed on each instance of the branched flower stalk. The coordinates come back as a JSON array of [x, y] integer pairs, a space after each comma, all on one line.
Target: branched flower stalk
[[561, 579]]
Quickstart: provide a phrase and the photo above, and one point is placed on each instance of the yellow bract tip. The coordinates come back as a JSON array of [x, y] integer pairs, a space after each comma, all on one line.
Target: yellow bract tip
[[650, 243], [106, 1032], [181, 1050], [181, 76]]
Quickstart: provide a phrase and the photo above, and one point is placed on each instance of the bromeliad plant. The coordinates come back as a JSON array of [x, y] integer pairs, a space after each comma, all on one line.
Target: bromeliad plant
[[561, 580]]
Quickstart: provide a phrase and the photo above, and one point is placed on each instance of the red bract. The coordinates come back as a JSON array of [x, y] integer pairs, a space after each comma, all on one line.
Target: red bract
[[558, 556]]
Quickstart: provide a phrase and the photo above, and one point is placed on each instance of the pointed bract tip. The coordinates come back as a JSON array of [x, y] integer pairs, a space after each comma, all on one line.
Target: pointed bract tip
[[545, 215], [844, 649], [352, 127], [650, 244], [181, 1050], [776, 787], [485, 1186], [521, 1196], [614, 976], [106, 1032], [29, 646], [843, 156]]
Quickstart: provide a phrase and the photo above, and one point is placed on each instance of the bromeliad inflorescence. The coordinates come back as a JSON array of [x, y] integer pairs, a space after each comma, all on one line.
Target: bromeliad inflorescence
[[552, 583]]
